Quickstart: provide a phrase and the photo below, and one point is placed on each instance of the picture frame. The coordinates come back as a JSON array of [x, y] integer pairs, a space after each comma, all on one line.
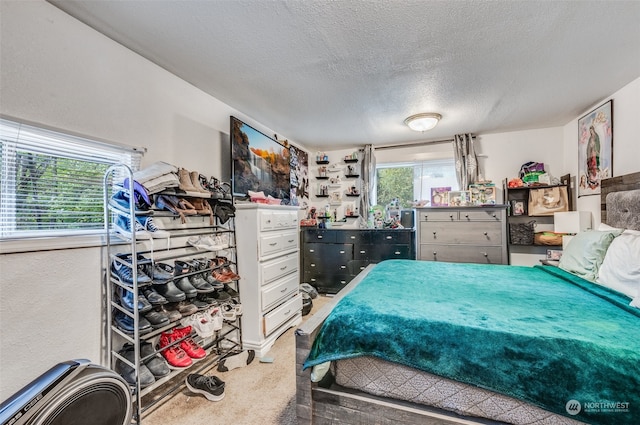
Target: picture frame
[[595, 149], [459, 198], [518, 207], [440, 196]]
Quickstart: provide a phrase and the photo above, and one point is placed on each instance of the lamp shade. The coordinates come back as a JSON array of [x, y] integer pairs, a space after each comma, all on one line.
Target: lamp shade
[[571, 221], [423, 122]]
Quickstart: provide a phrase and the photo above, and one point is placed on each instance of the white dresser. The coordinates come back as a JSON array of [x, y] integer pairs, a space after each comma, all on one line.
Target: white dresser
[[268, 262], [463, 234]]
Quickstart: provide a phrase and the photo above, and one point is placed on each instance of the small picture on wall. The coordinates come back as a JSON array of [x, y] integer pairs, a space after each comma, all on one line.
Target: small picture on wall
[[518, 208]]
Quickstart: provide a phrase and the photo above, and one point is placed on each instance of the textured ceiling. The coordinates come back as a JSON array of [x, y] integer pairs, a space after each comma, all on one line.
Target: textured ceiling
[[337, 74]]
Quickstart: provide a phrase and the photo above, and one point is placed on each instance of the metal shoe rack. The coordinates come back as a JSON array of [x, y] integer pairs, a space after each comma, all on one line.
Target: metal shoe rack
[[118, 248]]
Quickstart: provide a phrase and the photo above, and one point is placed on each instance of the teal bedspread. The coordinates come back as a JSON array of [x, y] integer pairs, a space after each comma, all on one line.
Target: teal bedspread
[[534, 333]]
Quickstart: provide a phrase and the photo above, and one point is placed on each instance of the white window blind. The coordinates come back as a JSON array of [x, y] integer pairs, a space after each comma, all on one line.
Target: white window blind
[[52, 183]]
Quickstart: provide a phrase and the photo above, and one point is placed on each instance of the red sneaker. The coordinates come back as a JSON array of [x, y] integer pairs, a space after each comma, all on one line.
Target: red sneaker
[[173, 354], [189, 346]]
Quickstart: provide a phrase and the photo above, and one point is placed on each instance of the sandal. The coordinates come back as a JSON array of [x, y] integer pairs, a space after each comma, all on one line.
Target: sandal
[[203, 207], [168, 203]]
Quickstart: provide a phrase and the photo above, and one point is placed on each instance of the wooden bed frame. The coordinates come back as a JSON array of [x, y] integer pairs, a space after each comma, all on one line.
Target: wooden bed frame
[[339, 405]]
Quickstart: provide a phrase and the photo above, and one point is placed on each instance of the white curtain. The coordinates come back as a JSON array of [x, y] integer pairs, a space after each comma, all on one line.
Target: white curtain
[[368, 172], [466, 160]]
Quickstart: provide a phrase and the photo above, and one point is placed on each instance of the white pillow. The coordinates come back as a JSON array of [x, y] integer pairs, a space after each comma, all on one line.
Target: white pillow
[[620, 268], [585, 253], [605, 227]]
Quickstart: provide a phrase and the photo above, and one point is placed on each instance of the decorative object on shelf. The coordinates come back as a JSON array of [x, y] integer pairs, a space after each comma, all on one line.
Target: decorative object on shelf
[[351, 158], [548, 200], [530, 171], [322, 158], [483, 193], [522, 233], [595, 148], [423, 122], [459, 198], [440, 196], [322, 172], [352, 171], [518, 207], [323, 190], [299, 162]]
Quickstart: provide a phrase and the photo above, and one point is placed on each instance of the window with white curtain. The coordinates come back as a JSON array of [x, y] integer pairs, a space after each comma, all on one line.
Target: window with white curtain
[[52, 183], [412, 181]]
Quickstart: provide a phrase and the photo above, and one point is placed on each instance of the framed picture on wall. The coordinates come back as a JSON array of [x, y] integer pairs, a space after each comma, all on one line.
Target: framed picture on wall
[[595, 149]]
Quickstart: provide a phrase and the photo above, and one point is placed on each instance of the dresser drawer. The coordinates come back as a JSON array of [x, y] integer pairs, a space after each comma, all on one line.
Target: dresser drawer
[[273, 243], [461, 253], [281, 266], [470, 233], [438, 215], [277, 220], [390, 236], [483, 214], [272, 293], [319, 235], [281, 314]]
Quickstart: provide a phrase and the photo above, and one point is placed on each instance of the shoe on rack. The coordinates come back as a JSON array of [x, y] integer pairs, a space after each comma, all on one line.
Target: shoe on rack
[[125, 298], [236, 360], [149, 226], [221, 277], [161, 272], [124, 272], [186, 308], [198, 281], [129, 373], [122, 225], [195, 182], [154, 362], [226, 270], [182, 269], [186, 185], [157, 319], [229, 290], [221, 297], [193, 350], [211, 387], [173, 314], [126, 325], [200, 305], [202, 323], [120, 201], [207, 243], [173, 354], [152, 296], [208, 298], [170, 291]]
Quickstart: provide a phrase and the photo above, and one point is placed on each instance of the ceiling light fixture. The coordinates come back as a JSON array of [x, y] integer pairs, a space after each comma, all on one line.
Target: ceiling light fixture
[[423, 122]]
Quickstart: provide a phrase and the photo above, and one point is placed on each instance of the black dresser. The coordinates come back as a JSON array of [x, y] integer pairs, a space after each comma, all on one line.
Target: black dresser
[[332, 257]]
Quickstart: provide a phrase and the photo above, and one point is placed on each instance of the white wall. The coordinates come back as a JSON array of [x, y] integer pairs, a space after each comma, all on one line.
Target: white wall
[[626, 143], [59, 73]]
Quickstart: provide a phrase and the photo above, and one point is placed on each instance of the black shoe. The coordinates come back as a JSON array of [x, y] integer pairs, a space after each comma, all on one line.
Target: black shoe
[[129, 373], [229, 290], [173, 314], [170, 291], [182, 281], [157, 319], [156, 364], [125, 298], [221, 296], [152, 296], [208, 298], [186, 308], [209, 386], [160, 272], [201, 305], [125, 323]]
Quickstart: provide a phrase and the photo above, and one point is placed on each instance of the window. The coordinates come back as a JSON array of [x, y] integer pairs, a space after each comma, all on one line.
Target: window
[[52, 183], [412, 181]]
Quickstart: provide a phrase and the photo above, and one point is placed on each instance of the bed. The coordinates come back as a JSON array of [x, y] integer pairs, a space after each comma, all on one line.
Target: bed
[[522, 345]]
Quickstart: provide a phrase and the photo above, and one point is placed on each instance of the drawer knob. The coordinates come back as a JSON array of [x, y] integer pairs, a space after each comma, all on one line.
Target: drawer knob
[[283, 267], [485, 254], [466, 215], [397, 252], [343, 282], [273, 244], [484, 233], [343, 266], [284, 290], [287, 313], [363, 252], [313, 279], [341, 251], [312, 250], [493, 215], [291, 240], [319, 236], [312, 264], [352, 237], [434, 233], [451, 216], [434, 253], [389, 237]]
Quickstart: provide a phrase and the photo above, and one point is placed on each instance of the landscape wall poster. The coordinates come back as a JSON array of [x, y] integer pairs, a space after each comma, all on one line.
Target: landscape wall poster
[[260, 163], [299, 176], [595, 149]]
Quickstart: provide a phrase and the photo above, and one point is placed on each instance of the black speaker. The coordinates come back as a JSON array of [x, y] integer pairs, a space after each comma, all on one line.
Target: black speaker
[[71, 393], [407, 219]]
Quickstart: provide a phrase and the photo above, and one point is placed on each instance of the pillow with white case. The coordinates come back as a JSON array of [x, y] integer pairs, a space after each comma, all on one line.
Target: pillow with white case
[[620, 269]]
